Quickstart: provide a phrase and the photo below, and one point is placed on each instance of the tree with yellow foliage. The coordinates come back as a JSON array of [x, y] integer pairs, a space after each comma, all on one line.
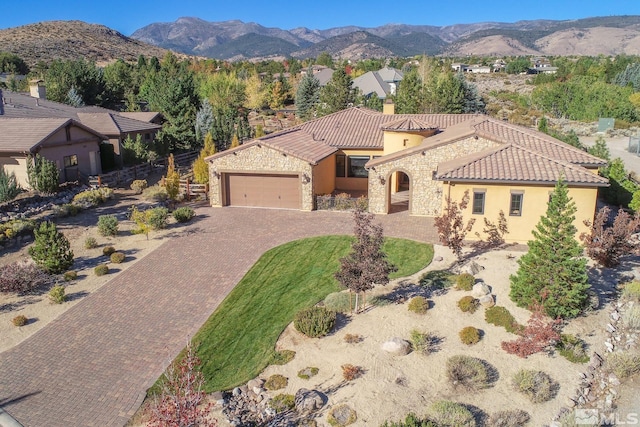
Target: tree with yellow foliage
[[200, 166], [235, 142], [172, 180]]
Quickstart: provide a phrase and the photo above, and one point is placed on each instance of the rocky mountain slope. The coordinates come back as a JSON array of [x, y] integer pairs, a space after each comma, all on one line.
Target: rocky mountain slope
[[46, 41]]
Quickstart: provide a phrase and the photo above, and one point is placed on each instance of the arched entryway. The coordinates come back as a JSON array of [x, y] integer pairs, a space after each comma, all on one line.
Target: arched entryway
[[399, 192]]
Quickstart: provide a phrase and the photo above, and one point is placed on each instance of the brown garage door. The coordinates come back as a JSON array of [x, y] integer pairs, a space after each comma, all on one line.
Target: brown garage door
[[263, 190]]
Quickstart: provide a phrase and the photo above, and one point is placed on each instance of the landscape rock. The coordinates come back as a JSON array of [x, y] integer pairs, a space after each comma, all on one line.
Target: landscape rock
[[480, 289], [470, 267], [487, 301], [309, 400], [438, 259], [397, 346], [256, 382]]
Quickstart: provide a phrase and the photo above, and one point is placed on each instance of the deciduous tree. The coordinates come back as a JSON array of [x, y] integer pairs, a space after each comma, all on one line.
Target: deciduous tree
[[607, 244], [451, 227]]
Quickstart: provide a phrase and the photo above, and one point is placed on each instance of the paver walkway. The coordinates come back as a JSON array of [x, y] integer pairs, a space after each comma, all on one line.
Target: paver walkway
[[92, 365]]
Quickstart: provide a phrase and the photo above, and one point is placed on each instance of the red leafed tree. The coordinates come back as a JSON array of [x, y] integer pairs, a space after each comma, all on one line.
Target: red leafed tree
[[181, 401], [451, 227], [606, 245], [540, 333]]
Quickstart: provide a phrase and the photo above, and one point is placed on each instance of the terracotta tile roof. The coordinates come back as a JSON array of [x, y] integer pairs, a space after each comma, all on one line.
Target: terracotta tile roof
[[114, 124], [514, 163], [408, 124], [294, 142], [23, 135]]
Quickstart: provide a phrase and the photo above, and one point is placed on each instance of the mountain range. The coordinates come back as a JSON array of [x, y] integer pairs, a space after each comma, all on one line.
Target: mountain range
[[237, 40]]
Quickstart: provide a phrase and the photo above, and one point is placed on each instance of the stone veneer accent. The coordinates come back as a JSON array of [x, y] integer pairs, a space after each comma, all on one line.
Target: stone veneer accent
[[261, 159], [426, 194]]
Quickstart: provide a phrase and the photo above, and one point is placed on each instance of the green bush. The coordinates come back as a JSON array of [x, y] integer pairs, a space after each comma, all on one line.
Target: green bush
[[631, 291], [631, 317], [410, 420], [9, 187], [157, 218], [276, 382], [67, 209], [70, 275], [315, 322], [92, 198], [437, 279], [624, 365], [572, 348], [465, 281], [20, 320], [108, 225], [468, 373], [469, 335], [90, 243], [422, 342], [340, 302], [155, 193], [57, 294], [101, 270], [536, 385], [43, 174], [15, 227], [184, 214], [500, 316], [468, 304], [117, 257], [446, 413], [341, 415], [283, 357], [282, 402], [51, 250], [308, 372], [509, 418], [108, 250], [418, 305], [139, 185]]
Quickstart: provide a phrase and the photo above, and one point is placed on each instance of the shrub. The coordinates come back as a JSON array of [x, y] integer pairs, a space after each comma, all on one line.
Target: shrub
[[20, 320], [65, 210], [436, 279], [155, 193], [184, 214], [43, 174], [536, 385], [380, 300], [70, 275], [451, 226], [108, 225], [9, 187], [411, 420], [422, 342], [307, 373], [139, 185], [352, 338], [500, 316], [631, 291], [101, 270], [16, 227], [469, 335], [510, 418], [468, 304], [90, 243], [465, 281], [117, 257], [341, 415], [276, 382], [607, 245], [351, 372], [22, 277], [282, 357], [631, 317], [282, 403], [108, 250], [418, 305], [539, 334], [451, 414], [51, 250], [340, 302], [572, 348], [57, 294], [315, 322], [157, 218], [468, 373], [624, 365], [92, 198]]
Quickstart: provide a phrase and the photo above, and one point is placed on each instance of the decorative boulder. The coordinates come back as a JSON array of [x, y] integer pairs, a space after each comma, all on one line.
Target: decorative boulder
[[397, 346], [255, 383], [487, 301], [480, 289], [309, 400], [470, 267]]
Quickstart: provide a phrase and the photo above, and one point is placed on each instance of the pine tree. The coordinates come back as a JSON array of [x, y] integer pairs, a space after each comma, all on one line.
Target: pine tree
[[307, 95], [338, 94], [9, 187], [43, 175], [172, 181], [204, 120], [200, 166], [51, 250], [553, 272], [409, 96]]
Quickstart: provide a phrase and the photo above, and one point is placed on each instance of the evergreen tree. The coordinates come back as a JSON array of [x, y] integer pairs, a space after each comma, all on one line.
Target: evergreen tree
[[43, 175], [74, 99], [553, 272], [338, 94], [409, 95], [9, 187], [307, 95], [204, 120], [200, 166], [172, 181], [600, 149], [51, 250]]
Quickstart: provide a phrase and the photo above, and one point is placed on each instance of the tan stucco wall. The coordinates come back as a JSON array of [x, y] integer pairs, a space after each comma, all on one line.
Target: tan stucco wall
[[397, 141], [324, 176], [355, 184], [425, 194], [16, 164], [534, 205], [260, 160]]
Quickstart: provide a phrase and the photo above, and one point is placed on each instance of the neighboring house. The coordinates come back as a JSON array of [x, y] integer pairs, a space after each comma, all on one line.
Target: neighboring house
[[324, 75], [115, 125], [380, 83], [425, 157], [72, 146]]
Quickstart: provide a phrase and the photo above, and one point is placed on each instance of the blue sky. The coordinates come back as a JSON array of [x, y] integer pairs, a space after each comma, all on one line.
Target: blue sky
[[127, 16]]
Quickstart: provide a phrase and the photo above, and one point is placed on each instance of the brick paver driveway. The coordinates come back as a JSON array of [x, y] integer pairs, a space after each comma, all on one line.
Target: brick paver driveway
[[93, 364]]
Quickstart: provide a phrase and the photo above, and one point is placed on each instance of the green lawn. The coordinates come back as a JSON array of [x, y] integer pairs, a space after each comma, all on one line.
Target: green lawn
[[237, 342]]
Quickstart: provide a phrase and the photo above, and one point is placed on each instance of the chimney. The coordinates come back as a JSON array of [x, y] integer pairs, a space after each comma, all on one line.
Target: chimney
[[37, 90], [388, 107]]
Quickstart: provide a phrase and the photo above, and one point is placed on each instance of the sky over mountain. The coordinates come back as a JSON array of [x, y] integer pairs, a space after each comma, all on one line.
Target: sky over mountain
[[126, 16]]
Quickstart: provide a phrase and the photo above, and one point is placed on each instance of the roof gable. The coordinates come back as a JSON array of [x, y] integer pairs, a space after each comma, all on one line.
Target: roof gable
[[24, 135]]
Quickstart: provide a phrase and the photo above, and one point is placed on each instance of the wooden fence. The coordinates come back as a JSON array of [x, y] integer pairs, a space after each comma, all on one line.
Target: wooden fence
[[189, 189]]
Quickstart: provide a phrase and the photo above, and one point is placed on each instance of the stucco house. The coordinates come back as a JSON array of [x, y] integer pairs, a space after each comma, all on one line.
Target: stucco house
[[422, 157]]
